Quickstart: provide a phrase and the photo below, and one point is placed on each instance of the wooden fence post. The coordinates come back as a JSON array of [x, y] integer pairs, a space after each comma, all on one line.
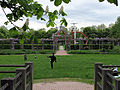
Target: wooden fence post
[[10, 81], [31, 74], [105, 79], [23, 77], [117, 84], [96, 74]]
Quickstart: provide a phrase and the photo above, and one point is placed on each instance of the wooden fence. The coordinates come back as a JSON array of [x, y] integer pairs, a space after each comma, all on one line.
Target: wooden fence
[[104, 79], [23, 79]]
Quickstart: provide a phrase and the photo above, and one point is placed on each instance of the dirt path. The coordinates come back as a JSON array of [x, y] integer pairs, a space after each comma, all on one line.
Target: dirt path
[[63, 86], [61, 51]]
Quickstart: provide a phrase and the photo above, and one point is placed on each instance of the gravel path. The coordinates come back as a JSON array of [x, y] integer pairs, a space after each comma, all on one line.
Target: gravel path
[[61, 51], [63, 86]]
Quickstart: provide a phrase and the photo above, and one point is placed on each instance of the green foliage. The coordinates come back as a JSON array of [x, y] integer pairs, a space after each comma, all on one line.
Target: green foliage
[[4, 32], [115, 30], [30, 8], [111, 1], [63, 21], [99, 31], [91, 46], [90, 32], [27, 46], [50, 32], [24, 51], [115, 50], [84, 52]]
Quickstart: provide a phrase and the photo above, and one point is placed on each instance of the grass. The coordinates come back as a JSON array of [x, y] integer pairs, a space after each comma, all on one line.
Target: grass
[[73, 67]]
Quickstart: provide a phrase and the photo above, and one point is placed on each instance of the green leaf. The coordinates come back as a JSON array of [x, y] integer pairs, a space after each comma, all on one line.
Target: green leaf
[[111, 1], [43, 19], [57, 2], [101, 0], [56, 17], [63, 14], [29, 15], [6, 23], [116, 2], [63, 21], [66, 1], [48, 24], [9, 16], [21, 41]]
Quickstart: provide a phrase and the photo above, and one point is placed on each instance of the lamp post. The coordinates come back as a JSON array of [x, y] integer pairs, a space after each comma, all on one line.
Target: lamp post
[[74, 30]]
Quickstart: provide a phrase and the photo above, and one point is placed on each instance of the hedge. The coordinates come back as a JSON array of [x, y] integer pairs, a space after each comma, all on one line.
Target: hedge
[[91, 46], [115, 50], [84, 52], [24, 51], [27, 46]]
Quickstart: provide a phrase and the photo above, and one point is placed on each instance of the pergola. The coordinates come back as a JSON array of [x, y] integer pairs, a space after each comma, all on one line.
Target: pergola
[[80, 42]]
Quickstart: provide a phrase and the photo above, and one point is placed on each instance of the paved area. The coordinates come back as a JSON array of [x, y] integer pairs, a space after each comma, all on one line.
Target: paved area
[[61, 51], [63, 86]]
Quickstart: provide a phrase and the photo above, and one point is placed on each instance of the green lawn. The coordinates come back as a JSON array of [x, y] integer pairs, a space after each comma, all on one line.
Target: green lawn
[[77, 67]]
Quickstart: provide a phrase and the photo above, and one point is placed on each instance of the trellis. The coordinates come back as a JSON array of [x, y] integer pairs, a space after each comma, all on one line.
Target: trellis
[[69, 41]]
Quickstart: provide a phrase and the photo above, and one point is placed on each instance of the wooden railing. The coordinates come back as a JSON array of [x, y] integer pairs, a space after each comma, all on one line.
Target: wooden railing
[[104, 79], [23, 79]]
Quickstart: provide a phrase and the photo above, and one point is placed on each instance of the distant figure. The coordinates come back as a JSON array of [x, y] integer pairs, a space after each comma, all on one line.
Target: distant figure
[[53, 58], [25, 57], [115, 71], [35, 57]]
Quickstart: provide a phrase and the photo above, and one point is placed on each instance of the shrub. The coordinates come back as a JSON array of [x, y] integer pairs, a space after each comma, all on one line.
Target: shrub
[[84, 52], [115, 50], [24, 51], [91, 46]]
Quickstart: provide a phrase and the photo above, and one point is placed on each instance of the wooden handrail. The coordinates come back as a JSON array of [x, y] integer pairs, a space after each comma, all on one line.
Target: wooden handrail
[[104, 74], [4, 87], [7, 71], [107, 66], [12, 65], [20, 80]]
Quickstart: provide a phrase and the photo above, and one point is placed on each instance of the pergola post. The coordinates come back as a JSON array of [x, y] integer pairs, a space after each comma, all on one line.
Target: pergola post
[[32, 45], [12, 44]]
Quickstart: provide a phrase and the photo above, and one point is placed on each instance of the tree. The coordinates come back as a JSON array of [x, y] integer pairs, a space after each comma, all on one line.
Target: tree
[[50, 32], [3, 32], [115, 32], [102, 26], [90, 32], [13, 33]]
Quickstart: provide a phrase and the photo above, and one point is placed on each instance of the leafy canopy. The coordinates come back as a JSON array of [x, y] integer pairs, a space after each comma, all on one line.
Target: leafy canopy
[[29, 8], [111, 1]]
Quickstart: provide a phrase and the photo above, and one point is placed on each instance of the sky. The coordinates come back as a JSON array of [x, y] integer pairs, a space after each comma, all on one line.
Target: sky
[[83, 12]]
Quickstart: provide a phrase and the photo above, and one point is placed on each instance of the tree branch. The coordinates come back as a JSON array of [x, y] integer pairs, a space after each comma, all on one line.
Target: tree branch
[[9, 20]]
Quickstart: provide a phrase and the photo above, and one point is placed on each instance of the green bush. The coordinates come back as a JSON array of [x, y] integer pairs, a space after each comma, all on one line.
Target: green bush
[[84, 52], [27, 46], [91, 46], [24, 51], [115, 50]]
